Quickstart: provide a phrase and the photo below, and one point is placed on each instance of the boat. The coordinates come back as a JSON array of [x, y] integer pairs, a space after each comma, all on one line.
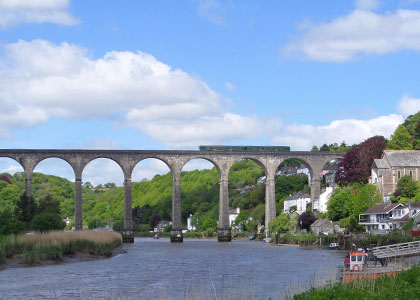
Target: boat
[[333, 246], [251, 237], [268, 240], [156, 237]]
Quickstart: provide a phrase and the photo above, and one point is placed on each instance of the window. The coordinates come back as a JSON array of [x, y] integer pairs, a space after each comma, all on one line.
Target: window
[[411, 174], [399, 174], [376, 180], [353, 258]]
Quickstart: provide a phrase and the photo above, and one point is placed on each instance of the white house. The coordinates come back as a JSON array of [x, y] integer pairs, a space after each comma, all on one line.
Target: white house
[[377, 218], [233, 214], [189, 225], [324, 198], [299, 199]]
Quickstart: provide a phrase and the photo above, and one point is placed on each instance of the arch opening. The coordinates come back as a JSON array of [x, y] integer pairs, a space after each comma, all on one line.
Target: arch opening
[[103, 195], [247, 195], [151, 195], [53, 179], [12, 184], [293, 192], [200, 195]]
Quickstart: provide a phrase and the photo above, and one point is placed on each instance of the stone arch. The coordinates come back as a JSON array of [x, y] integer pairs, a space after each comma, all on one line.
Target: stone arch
[[138, 161], [254, 159], [91, 159], [13, 159], [43, 159], [306, 162], [212, 187], [204, 158]]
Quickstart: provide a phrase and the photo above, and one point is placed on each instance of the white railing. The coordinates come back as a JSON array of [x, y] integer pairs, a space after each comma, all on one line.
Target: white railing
[[397, 250]]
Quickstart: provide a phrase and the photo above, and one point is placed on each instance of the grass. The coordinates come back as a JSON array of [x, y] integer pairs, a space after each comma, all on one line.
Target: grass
[[405, 285], [38, 247]]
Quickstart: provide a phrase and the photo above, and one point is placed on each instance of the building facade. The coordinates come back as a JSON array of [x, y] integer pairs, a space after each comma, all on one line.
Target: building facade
[[394, 164]]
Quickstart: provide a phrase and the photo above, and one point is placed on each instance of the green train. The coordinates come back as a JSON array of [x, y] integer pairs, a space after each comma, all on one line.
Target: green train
[[245, 148]]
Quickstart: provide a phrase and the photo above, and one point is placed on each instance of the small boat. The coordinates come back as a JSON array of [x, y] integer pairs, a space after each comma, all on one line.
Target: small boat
[[268, 240], [251, 237], [333, 246], [156, 237]]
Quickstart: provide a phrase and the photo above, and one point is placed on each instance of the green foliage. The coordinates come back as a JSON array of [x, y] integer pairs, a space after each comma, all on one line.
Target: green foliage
[[152, 200], [405, 285], [282, 223], [46, 221], [209, 223], [350, 201], [407, 188], [400, 139], [314, 149]]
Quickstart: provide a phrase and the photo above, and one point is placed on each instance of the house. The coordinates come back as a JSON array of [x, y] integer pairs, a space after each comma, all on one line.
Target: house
[[300, 200], [233, 214], [189, 225], [324, 226], [393, 165], [162, 225], [377, 218]]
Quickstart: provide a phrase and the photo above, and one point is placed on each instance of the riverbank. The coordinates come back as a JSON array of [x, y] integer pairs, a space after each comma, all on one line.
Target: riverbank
[[57, 247], [405, 285]]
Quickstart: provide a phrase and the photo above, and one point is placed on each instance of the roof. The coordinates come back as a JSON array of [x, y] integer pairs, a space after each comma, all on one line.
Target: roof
[[414, 204], [381, 208], [380, 163], [403, 219], [321, 222], [403, 158], [298, 195]]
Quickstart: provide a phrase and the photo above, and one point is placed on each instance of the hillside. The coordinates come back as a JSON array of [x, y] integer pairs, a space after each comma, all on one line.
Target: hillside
[[152, 200]]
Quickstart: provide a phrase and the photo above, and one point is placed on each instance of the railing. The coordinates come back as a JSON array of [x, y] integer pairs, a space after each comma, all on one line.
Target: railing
[[397, 250]]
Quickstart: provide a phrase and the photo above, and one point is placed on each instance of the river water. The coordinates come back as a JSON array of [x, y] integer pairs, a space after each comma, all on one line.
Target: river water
[[196, 269]]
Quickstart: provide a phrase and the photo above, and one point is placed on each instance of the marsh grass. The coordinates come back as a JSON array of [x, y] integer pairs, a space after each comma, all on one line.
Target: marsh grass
[[405, 285], [38, 247]]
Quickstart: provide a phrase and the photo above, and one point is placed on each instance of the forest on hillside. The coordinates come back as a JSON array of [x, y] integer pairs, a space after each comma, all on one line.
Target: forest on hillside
[[152, 199]]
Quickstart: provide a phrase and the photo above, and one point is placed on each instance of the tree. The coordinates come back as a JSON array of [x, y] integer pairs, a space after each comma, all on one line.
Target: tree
[[401, 139], [46, 221], [324, 148], [88, 185], [314, 149], [407, 187], [281, 223], [48, 204], [110, 185], [306, 219], [209, 223], [356, 163], [25, 209]]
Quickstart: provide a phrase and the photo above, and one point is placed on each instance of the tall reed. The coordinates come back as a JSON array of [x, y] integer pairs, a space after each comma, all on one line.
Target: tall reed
[[56, 244]]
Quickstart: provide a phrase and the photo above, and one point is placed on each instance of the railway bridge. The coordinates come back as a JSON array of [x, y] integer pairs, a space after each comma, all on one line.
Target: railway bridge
[[175, 160]]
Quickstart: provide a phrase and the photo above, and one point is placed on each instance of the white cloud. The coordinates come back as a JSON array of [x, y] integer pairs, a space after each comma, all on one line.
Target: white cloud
[[359, 33], [367, 4], [148, 168], [40, 80], [212, 10], [230, 86], [15, 12], [408, 106], [303, 137], [101, 171]]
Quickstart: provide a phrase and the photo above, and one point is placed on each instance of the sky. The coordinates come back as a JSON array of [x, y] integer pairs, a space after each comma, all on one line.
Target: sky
[[131, 74]]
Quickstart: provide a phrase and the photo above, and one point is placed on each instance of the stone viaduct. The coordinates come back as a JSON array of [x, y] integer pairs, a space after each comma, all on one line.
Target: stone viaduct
[[175, 160]]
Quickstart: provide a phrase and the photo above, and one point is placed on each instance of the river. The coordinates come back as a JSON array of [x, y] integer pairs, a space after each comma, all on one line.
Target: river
[[196, 269]]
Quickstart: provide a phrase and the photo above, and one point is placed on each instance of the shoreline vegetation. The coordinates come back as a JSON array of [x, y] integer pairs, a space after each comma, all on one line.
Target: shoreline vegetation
[[405, 285], [56, 247]]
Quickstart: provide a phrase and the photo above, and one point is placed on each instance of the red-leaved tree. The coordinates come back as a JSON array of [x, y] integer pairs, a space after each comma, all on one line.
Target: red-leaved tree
[[357, 162]]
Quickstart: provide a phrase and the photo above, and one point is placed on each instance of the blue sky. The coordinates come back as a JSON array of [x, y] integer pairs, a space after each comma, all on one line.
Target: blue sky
[[177, 74]]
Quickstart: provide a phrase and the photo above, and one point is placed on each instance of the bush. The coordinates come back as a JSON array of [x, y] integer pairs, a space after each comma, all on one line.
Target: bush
[[46, 221]]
